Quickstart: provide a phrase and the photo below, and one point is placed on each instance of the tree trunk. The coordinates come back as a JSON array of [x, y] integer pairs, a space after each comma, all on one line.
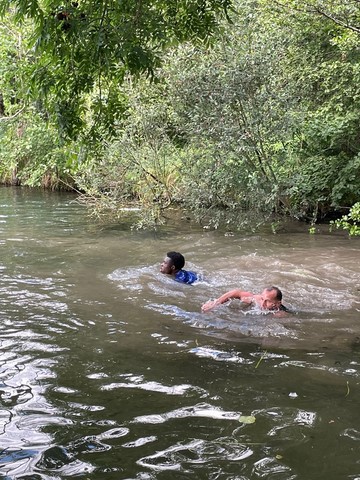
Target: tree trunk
[[2, 106]]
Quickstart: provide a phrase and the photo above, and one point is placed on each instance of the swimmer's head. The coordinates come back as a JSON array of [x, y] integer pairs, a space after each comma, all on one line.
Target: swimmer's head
[[172, 263], [270, 298]]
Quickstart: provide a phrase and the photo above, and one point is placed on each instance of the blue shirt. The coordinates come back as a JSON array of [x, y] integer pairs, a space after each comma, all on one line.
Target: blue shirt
[[185, 276]]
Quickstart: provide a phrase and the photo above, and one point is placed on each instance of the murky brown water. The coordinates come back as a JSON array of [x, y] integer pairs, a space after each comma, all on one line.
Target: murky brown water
[[108, 369]]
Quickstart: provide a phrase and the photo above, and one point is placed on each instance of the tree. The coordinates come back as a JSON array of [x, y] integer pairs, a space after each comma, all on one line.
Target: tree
[[83, 50], [13, 63], [345, 13], [265, 121], [324, 62]]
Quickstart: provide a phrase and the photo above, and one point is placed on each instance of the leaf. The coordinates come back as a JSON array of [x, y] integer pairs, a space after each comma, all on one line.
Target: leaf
[[247, 419]]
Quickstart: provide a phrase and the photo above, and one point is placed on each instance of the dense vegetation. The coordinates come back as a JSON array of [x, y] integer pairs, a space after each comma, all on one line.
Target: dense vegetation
[[237, 113]]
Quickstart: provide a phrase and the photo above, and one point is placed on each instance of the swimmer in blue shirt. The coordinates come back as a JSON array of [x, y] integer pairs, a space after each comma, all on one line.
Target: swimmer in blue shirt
[[173, 265]]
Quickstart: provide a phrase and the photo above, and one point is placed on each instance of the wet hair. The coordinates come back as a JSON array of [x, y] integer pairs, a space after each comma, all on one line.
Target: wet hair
[[278, 292], [177, 259]]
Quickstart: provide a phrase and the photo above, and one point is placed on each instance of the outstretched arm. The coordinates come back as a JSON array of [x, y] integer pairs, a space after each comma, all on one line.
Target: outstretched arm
[[241, 295]]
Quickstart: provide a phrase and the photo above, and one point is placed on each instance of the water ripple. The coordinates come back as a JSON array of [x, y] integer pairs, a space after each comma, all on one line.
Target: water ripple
[[271, 468], [199, 410], [137, 381], [219, 355], [60, 460], [183, 456], [351, 433]]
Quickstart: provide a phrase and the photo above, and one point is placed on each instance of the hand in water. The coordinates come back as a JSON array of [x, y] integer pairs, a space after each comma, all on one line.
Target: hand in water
[[208, 305], [249, 299]]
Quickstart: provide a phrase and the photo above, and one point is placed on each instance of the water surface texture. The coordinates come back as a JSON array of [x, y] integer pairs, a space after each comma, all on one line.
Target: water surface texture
[[109, 370]]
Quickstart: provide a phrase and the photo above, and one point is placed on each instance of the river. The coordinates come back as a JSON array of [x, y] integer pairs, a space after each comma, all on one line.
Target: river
[[109, 370]]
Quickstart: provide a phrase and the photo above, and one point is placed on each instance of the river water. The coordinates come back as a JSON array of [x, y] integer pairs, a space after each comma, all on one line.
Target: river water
[[109, 370]]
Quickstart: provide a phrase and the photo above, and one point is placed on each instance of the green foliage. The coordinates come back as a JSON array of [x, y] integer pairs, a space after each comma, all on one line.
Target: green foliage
[[14, 65], [261, 121], [139, 169], [321, 169], [319, 184], [350, 222], [81, 51], [344, 13], [258, 124], [31, 154]]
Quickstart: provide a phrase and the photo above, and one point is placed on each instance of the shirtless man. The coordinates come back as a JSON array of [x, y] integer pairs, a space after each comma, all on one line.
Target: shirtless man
[[269, 299]]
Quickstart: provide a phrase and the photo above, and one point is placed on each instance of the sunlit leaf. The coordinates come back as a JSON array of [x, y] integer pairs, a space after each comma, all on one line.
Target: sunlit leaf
[[247, 419]]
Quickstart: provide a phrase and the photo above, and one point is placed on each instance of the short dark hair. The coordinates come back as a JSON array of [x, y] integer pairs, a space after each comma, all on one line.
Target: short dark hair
[[177, 259], [278, 292]]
